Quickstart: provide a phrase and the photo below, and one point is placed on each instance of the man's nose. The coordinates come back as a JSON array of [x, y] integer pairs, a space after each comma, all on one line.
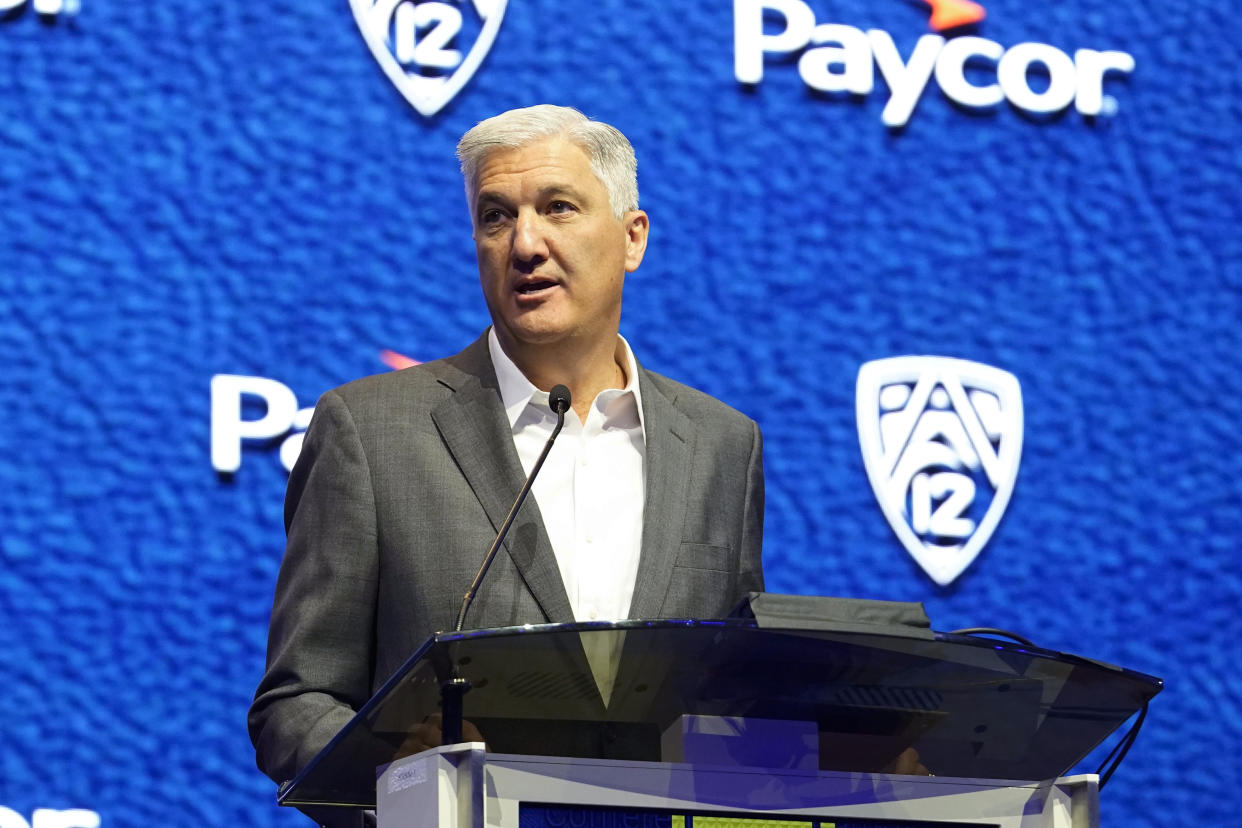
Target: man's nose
[[529, 241]]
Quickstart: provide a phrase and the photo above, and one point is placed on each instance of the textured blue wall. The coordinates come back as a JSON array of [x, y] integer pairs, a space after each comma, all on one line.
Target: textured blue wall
[[189, 189]]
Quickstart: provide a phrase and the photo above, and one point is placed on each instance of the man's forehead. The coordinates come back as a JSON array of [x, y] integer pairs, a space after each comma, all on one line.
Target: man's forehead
[[551, 162]]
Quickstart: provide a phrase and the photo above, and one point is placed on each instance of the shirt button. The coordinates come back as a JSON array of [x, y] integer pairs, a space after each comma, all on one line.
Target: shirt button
[[594, 615]]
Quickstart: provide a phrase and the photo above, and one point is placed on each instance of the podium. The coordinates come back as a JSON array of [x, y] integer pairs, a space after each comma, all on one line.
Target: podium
[[704, 720]]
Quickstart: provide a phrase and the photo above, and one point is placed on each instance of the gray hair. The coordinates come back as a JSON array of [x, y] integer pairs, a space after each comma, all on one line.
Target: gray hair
[[610, 153]]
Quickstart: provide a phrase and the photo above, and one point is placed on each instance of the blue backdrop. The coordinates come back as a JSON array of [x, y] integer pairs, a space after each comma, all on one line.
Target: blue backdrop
[[189, 190]]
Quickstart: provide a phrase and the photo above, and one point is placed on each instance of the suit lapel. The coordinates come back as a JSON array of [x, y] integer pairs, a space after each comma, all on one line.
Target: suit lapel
[[476, 431], [670, 449]]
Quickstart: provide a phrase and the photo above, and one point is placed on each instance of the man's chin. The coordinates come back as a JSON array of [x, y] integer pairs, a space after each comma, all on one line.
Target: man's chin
[[532, 335], [546, 327], [542, 339]]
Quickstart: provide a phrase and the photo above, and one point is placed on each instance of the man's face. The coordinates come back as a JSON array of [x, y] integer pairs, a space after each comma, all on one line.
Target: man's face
[[552, 256]]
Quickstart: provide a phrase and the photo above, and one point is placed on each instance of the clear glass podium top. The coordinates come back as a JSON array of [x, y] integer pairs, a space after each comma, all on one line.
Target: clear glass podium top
[[970, 707]]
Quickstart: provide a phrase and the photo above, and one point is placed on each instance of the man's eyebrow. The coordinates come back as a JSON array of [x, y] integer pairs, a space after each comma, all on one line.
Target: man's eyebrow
[[561, 189], [489, 199]]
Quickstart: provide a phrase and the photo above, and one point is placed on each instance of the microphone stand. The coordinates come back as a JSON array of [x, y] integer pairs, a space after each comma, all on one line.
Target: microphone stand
[[453, 691]]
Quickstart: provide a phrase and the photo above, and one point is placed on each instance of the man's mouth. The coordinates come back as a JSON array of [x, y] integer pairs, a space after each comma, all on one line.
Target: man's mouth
[[532, 286]]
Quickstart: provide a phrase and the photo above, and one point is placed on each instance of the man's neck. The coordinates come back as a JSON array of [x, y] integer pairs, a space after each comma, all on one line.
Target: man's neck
[[585, 371]]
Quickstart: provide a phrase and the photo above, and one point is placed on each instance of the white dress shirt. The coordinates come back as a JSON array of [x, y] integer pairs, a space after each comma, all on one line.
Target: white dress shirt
[[591, 488]]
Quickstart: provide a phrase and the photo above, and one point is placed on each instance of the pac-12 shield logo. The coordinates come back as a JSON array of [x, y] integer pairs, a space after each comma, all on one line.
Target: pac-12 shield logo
[[941, 439], [418, 44]]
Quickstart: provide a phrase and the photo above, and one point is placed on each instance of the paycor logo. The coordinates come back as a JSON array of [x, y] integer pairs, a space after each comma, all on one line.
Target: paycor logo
[[282, 422], [836, 58], [50, 818], [282, 419]]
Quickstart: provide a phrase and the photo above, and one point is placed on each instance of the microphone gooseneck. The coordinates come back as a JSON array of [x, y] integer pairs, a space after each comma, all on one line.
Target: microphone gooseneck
[[559, 401]]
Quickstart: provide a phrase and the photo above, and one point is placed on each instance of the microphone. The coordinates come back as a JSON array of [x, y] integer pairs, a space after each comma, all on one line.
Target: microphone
[[558, 401]]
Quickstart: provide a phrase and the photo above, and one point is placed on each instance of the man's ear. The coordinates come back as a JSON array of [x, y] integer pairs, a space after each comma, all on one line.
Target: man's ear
[[637, 226]]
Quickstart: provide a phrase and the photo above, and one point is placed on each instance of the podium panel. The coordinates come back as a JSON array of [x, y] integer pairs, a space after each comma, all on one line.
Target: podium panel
[[466, 787]]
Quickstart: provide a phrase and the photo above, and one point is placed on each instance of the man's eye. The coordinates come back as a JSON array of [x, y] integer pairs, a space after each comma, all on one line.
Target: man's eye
[[560, 207], [491, 216]]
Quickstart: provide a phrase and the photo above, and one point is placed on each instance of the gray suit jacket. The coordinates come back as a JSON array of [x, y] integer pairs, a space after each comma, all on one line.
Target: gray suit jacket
[[402, 483]]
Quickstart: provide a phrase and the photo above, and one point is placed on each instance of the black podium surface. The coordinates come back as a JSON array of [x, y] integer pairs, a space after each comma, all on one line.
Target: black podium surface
[[971, 707]]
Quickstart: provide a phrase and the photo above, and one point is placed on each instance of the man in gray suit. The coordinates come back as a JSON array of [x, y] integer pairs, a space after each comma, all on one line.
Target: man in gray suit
[[650, 504]]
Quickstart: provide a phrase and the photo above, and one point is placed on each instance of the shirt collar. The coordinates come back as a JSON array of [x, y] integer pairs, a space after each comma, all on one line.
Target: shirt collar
[[517, 392]]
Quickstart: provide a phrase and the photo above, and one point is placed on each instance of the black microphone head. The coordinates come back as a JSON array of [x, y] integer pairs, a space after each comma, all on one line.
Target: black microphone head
[[558, 399]]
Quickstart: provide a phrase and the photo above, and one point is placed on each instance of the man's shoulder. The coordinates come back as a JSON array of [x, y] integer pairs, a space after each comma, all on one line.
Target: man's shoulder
[[699, 406], [415, 378], [426, 381]]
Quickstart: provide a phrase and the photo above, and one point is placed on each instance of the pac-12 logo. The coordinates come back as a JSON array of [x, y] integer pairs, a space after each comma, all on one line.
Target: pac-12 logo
[[941, 439], [419, 44], [48, 10]]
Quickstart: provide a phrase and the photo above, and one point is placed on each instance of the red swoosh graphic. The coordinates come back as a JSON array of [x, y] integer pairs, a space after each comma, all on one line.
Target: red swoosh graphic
[[950, 14], [396, 361]]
